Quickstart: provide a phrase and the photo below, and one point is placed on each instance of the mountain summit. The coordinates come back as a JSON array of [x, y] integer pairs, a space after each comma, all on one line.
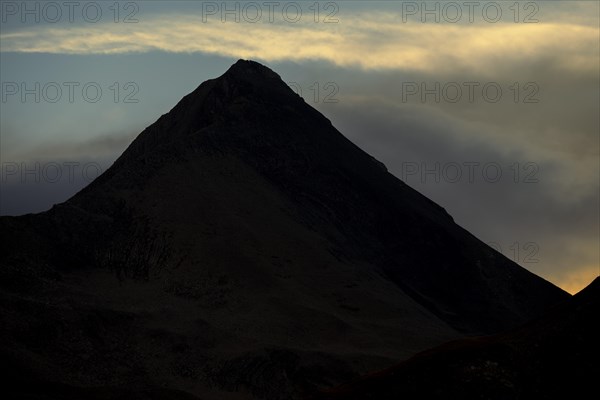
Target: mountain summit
[[242, 244]]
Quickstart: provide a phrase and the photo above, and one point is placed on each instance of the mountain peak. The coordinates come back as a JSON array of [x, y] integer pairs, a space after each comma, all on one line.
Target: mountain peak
[[247, 77], [246, 89], [249, 69], [244, 81]]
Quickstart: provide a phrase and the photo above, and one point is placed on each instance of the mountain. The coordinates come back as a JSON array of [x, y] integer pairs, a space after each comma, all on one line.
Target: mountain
[[241, 244], [552, 357]]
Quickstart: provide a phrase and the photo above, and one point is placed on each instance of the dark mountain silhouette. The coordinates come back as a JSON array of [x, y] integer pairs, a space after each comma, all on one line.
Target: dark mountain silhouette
[[242, 244], [552, 357]]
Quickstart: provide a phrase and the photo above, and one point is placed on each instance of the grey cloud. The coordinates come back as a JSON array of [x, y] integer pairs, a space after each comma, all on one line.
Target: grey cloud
[[503, 212], [51, 173]]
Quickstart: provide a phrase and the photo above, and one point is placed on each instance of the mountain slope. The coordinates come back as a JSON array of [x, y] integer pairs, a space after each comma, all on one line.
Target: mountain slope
[[552, 357], [241, 243]]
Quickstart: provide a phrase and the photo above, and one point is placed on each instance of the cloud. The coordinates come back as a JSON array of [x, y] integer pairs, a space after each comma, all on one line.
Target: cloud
[[557, 216], [50, 173], [368, 41], [104, 145], [574, 280]]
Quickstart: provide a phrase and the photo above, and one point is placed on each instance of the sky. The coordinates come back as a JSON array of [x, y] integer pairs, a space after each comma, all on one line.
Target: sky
[[491, 109]]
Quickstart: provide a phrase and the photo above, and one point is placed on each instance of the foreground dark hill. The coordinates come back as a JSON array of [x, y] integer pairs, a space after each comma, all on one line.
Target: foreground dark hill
[[552, 357], [242, 244]]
